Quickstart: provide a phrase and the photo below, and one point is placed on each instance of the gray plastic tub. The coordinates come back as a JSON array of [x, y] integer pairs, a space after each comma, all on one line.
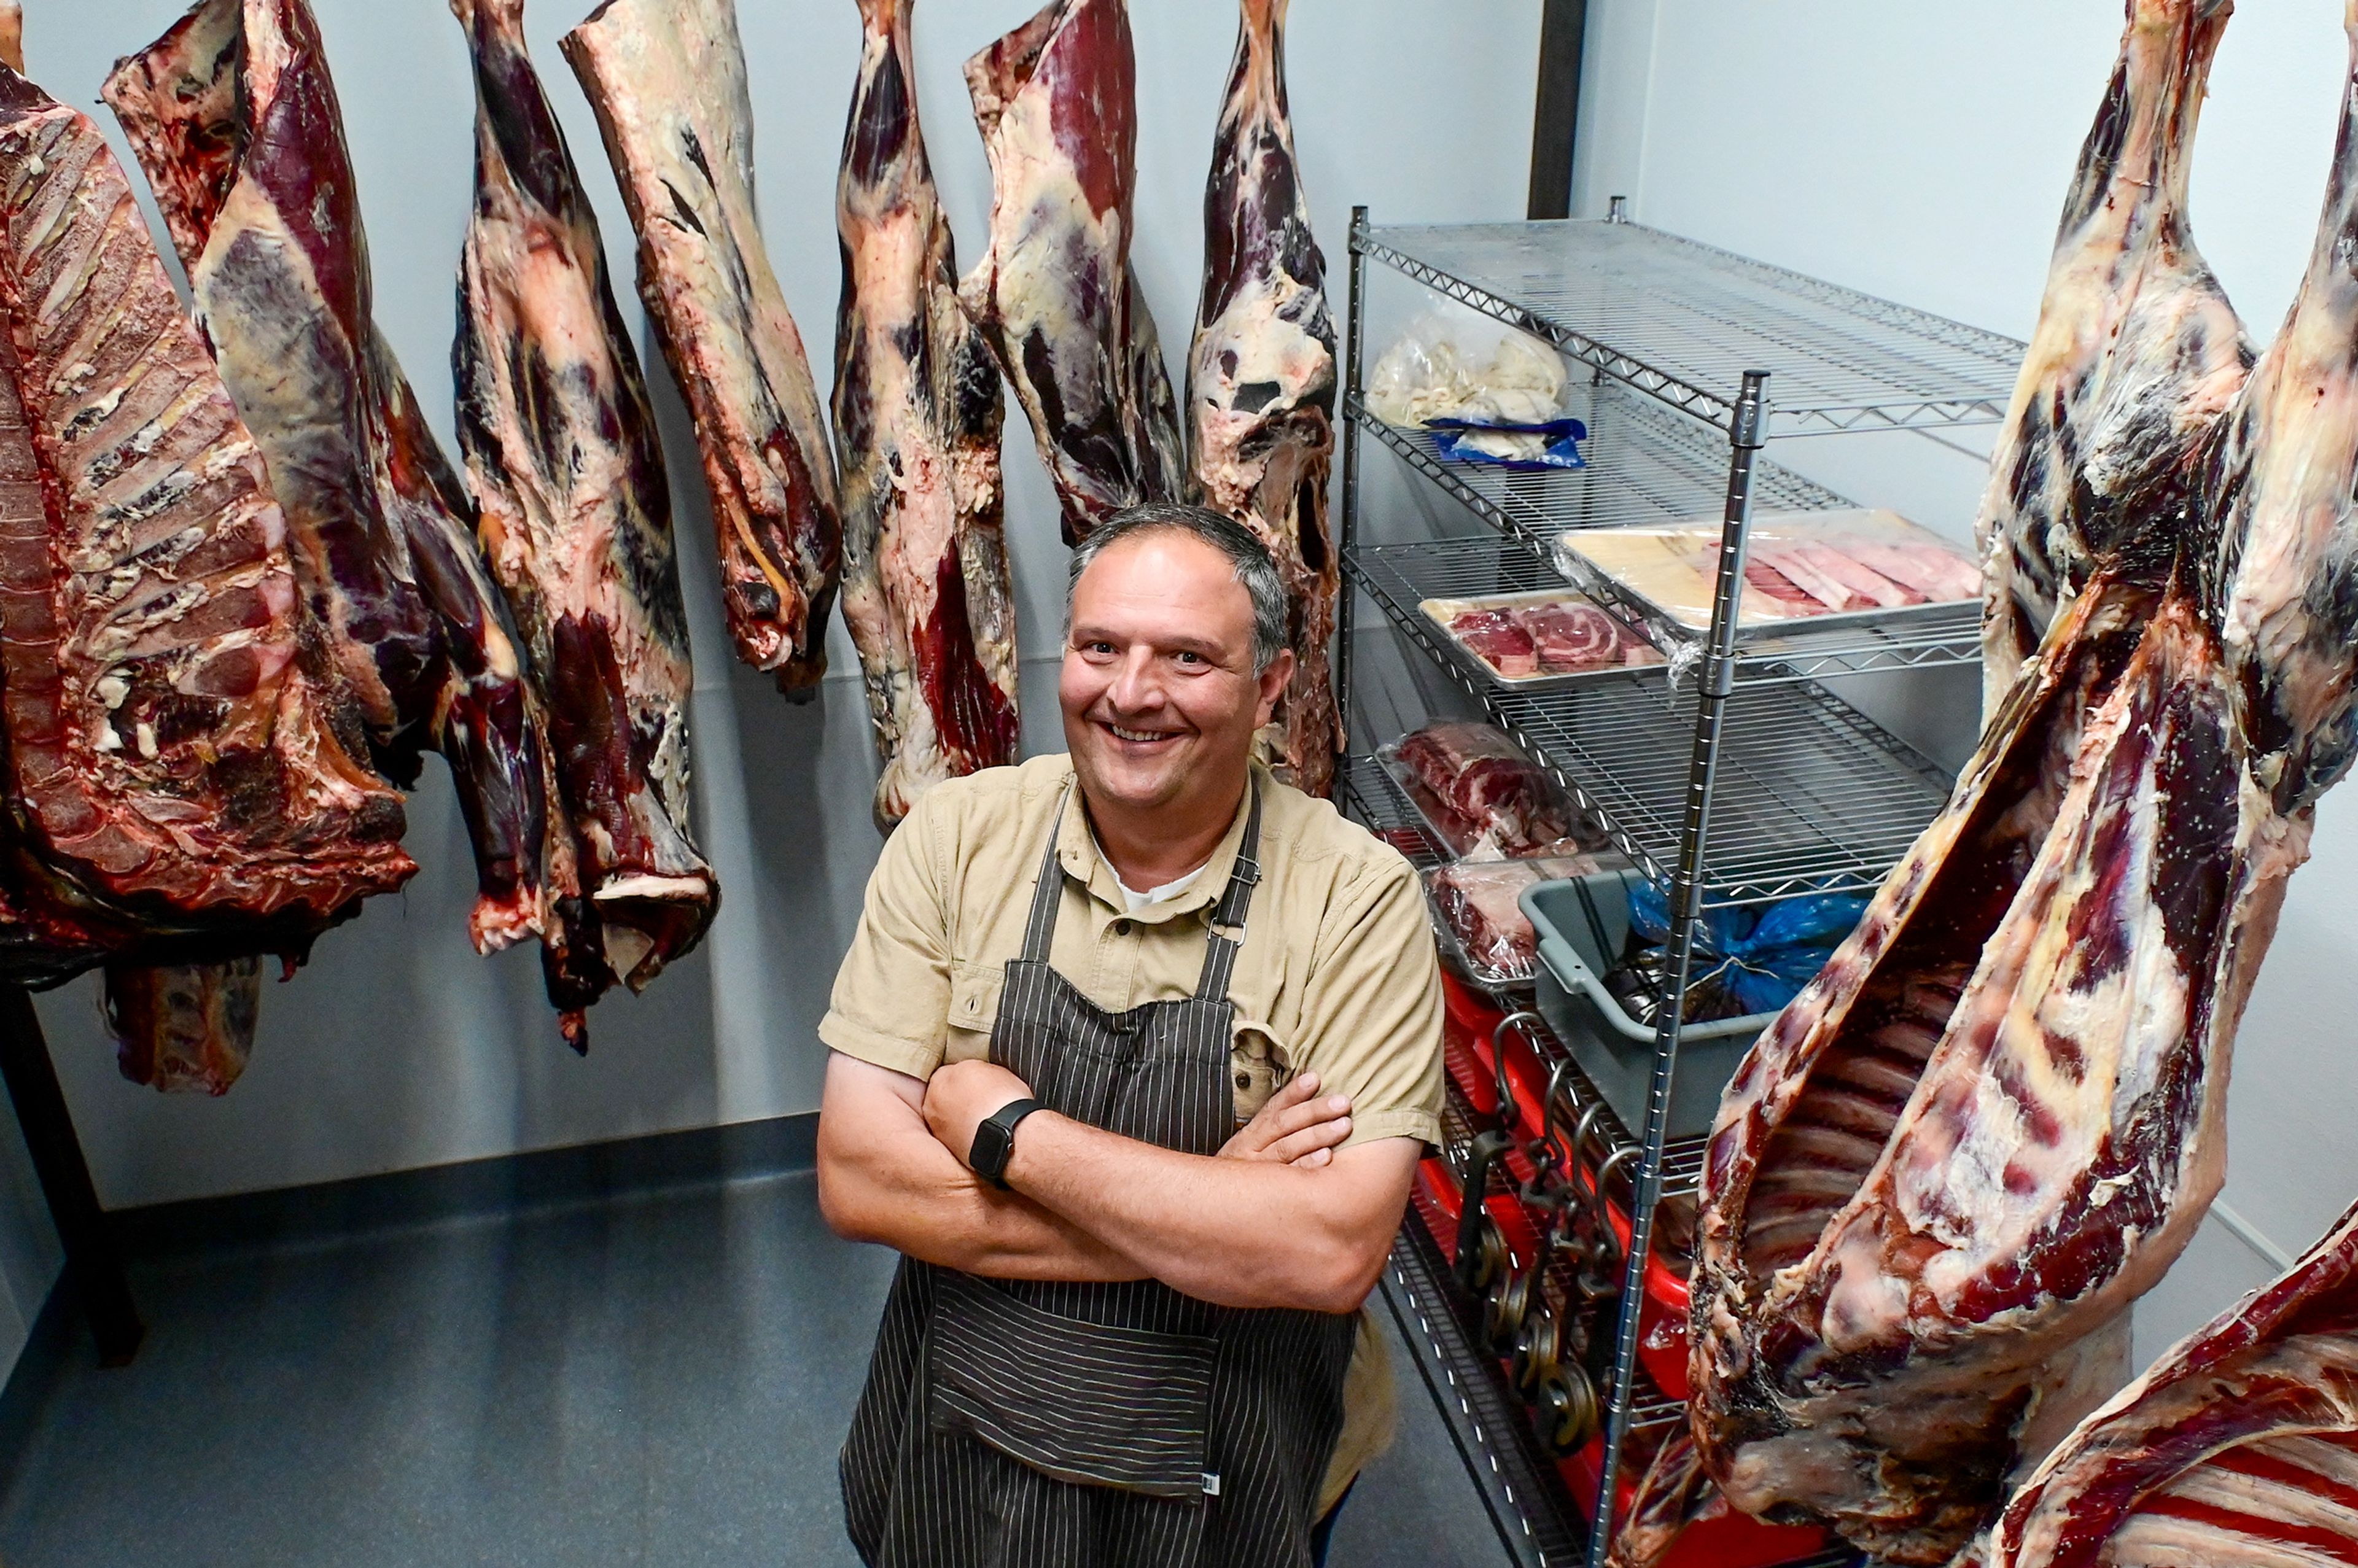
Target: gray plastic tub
[[1579, 939]]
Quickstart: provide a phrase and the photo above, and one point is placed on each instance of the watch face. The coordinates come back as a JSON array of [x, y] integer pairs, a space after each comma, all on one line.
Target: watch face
[[990, 1149]]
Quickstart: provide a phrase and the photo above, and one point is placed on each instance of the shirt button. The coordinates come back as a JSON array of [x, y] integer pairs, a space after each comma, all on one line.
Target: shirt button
[[1121, 928]]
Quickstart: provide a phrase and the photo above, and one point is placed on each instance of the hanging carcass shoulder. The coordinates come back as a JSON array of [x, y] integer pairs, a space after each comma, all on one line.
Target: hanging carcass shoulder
[[176, 786], [667, 81], [926, 593], [1886, 1329], [575, 516], [1260, 376], [2238, 1446], [1054, 292], [2136, 354], [235, 117]]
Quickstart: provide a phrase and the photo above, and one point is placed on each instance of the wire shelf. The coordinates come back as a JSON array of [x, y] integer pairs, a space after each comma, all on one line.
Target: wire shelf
[[1811, 795], [1645, 465], [1401, 576], [1683, 321], [1370, 795]]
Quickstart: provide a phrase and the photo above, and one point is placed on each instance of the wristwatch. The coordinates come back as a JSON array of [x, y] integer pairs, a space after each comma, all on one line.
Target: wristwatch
[[994, 1141]]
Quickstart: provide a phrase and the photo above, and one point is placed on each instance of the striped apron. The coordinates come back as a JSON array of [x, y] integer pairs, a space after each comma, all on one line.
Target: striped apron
[[1012, 1424]]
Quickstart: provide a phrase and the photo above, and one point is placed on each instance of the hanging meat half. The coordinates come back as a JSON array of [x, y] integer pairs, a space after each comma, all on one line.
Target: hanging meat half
[[1260, 378], [668, 80], [236, 121], [176, 785], [2238, 1447], [1057, 100], [1924, 1220], [575, 514], [2136, 354], [917, 412]]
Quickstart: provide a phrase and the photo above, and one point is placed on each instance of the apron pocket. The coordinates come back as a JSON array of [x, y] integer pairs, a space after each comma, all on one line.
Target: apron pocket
[[1081, 1401]]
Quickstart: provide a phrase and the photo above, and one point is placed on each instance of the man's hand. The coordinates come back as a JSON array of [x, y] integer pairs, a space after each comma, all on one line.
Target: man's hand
[[961, 1096], [1295, 1127]]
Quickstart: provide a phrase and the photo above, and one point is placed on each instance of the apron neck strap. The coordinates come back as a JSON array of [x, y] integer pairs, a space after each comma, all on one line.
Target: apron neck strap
[[1040, 930], [1220, 949], [1219, 952]]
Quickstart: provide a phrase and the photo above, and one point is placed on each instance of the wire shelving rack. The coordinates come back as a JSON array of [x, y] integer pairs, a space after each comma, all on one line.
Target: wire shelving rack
[[1731, 774]]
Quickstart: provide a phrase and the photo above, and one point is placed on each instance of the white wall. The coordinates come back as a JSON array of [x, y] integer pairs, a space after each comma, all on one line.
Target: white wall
[[1923, 153], [398, 1047]]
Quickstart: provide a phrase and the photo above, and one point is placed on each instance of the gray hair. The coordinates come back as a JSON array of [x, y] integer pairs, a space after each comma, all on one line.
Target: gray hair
[[1255, 568]]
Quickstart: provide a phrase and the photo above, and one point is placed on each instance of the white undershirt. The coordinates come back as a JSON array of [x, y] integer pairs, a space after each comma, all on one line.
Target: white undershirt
[[1151, 897]]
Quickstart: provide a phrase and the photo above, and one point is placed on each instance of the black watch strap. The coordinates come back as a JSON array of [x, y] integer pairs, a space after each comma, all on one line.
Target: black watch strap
[[994, 1141]]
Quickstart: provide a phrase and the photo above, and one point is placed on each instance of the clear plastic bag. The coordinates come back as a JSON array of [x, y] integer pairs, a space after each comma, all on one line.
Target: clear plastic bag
[[1456, 363]]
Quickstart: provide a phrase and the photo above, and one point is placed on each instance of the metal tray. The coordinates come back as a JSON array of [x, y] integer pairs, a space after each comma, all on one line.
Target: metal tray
[[1672, 626]]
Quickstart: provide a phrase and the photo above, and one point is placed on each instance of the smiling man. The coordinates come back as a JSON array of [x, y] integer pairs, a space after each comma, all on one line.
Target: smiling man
[[1135, 1052]]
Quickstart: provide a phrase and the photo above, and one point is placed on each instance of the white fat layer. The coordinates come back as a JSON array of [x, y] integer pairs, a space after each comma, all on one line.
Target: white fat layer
[[2155, 1540]]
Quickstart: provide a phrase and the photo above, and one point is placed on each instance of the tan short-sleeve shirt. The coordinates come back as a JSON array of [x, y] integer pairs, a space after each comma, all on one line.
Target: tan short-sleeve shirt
[[1336, 973]]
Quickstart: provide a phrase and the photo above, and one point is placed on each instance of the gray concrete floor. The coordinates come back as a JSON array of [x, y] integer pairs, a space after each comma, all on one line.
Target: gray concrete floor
[[662, 1381]]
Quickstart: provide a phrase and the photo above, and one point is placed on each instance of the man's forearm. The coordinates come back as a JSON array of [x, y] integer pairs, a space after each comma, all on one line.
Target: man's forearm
[[1243, 1234], [882, 1177]]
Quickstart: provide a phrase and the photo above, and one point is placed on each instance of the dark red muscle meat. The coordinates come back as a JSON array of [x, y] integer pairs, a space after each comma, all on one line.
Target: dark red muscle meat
[[926, 593], [176, 786], [1054, 293], [233, 116], [575, 512], [1261, 377]]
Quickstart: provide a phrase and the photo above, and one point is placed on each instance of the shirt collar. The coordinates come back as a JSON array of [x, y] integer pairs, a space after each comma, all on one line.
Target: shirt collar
[[1077, 852]]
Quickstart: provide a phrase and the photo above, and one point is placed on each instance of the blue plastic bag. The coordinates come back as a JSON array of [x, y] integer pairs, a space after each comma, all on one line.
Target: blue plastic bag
[[1561, 452], [1760, 958]]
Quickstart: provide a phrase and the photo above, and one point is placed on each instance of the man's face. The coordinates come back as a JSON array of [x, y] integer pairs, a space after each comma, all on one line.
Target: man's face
[[1159, 693]]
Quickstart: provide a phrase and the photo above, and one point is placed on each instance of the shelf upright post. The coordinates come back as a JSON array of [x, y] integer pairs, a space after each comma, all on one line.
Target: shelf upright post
[[1347, 532], [94, 1265], [1748, 428]]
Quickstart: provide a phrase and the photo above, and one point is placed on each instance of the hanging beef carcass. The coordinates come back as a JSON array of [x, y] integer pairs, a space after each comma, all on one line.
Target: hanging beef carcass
[[233, 117], [575, 516], [2136, 354], [1054, 293], [2238, 1447], [668, 80], [1924, 1221], [917, 409], [180, 1027], [1260, 378], [177, 786]]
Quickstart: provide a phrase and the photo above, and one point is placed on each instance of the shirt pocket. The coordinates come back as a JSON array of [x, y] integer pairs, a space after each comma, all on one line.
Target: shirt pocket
[[1260, 1063], [974, 1008]]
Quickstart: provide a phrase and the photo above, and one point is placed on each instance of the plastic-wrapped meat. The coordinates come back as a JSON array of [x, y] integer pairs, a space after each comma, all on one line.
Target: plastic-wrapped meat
[[1493, 799], [1056, 102], [1479, 899], [1863, 583], [576, 522], [1571, 638], [668, 80], [2238, 1447], [926, 594], [233, 117], [2136, 352], [176, 789], [1935, 574], [1935, 1287], [1260, 376], [1498, 638]]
